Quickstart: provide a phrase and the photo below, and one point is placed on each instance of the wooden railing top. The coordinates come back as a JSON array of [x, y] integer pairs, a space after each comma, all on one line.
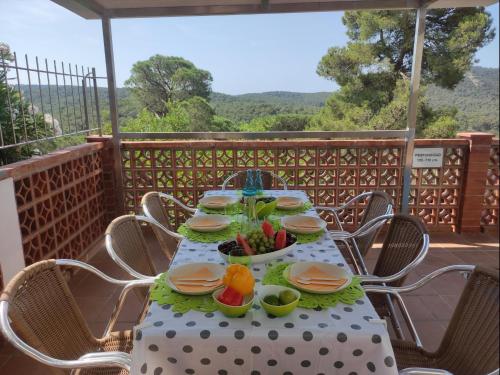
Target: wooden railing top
[[290, 143]]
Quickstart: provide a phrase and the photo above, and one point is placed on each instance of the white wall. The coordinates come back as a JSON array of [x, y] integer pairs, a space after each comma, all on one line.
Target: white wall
[[11, 246]]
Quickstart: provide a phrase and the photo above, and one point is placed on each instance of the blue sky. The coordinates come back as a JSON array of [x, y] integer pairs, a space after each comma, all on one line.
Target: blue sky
[[244, 53]]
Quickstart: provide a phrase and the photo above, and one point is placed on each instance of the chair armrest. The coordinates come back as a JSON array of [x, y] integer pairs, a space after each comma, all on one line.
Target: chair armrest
[[423, 371], [177, 202], [102, 359], [128, 285], [92, 269], [152, 221], [141, 283], [353, 200], [339, 234], [411, 287]]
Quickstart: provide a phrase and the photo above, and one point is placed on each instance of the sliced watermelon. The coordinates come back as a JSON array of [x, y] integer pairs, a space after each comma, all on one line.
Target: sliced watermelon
[[268, 229], [231, 297], [280, 240], [244, 244]]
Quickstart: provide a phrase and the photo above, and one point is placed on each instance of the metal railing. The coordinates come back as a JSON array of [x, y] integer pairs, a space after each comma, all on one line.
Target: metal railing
[[45, 100]]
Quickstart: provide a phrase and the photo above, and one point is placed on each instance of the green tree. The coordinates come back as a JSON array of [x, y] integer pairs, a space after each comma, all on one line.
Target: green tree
[[373, 68], [19, 120], [163, 79], [290, 122]]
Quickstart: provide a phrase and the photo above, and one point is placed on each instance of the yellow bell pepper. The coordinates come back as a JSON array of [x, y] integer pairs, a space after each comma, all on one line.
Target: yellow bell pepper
[[239, 278]]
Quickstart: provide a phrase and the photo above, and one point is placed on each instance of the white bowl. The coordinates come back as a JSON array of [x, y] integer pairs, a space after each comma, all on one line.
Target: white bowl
[[208, 223], [331, 270], [188, 269], [218, 201], [303, 224], [264, 258]]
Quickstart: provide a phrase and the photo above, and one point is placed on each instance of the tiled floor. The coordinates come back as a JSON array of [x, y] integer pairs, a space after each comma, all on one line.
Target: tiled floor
[[431, 307]]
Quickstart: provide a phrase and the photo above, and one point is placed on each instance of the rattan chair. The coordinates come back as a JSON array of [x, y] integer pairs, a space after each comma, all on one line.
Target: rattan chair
[[40, 317], [471, 342], [239, 179], [379, 204], [127, 246], [156, 206]]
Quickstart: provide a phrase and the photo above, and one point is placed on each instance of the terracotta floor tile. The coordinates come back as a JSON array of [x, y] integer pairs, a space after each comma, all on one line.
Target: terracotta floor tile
[[93, 307], [417, 307], [431, 333], [23, 365], [437, 307], [93, 286]]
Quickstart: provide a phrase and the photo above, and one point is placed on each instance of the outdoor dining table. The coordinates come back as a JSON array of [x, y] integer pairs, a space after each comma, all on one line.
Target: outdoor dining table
[[345, 339]]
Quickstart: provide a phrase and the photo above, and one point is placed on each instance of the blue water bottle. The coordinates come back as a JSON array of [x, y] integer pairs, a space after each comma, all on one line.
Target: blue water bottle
[[258, 182], [249, 192]]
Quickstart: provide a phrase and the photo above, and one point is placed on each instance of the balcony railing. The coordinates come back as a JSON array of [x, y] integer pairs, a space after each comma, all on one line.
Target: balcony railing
[[63, 201], [331, 172]]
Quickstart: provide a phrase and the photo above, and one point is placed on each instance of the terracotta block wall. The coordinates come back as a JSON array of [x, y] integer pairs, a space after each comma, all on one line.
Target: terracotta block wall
[[330, 171], [60, 202], [476, 179], [489, 214], [108, 176]]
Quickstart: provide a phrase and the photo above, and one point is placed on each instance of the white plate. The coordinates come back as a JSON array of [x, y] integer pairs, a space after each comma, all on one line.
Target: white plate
[[303, 224], [288, 203], [264, 258], [208, 223], [186, 270], [218, 201], [332, 270]]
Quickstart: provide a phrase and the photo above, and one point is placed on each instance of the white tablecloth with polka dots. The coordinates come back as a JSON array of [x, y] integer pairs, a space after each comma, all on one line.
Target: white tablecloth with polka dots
[[346, 339]]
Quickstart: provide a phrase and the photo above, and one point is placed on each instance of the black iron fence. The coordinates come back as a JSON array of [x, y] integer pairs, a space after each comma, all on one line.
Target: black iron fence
[[42, 100]]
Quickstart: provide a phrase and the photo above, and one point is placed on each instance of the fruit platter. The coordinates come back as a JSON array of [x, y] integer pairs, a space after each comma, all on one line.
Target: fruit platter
[[236, 298], [260, 245]]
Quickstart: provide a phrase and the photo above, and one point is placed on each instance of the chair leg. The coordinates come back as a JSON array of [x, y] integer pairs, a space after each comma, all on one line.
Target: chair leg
[[394, 319], [362, 265], [409, 322], [351, 255]]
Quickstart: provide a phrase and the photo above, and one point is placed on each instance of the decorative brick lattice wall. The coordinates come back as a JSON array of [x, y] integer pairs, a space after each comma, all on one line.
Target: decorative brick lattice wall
[[489, 215], [60, 202], [331, 172]]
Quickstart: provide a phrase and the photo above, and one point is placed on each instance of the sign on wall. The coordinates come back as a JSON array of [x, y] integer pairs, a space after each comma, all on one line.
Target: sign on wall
[[428, 157]]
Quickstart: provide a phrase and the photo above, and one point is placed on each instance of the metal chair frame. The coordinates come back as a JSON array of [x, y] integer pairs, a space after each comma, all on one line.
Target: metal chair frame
[[373, 225], [272, 174], [89, 360], [167, 197], [349, 240], [108, 240], [397, 291]]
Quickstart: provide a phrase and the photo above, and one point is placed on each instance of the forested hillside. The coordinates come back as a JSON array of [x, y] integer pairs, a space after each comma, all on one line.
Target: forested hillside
[[475, 98], [246, 107]]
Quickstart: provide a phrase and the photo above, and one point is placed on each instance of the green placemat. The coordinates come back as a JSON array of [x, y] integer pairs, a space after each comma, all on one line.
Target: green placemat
[[164, 295], [349, 295], [228, 233], [301, 238], [310, 237], [233, 209], [306, 206]]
